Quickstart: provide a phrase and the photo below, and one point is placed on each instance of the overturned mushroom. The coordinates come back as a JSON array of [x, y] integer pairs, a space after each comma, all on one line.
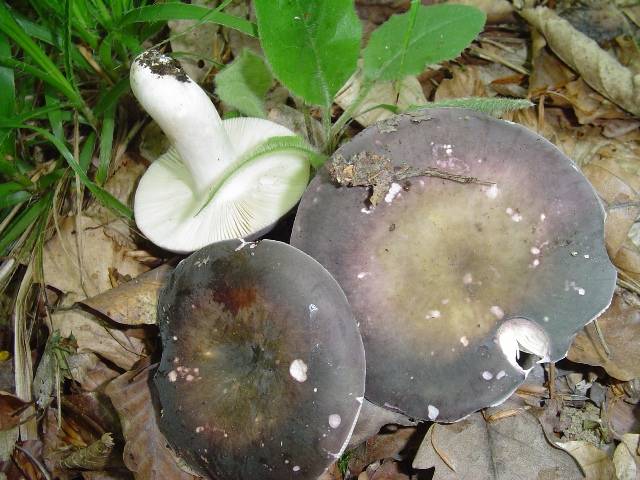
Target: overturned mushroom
[[262, 370], [208, 187], [484, 253]]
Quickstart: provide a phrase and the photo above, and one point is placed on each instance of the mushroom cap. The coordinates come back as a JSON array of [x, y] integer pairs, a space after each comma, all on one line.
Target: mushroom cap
[[168, 210], [262, 369], [451, 282]]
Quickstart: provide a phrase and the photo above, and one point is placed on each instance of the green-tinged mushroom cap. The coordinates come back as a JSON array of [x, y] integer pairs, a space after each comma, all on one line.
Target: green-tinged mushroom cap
[[484, 251], [262, 370]]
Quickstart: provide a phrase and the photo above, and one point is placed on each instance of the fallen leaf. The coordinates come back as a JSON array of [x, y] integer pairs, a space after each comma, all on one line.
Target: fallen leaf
[[626, 459], [200, 40], [620, 191], [145, 450], [589, 106], [85, 275], [620, 327], [134, 302], [595, 462], [627, 259], [389, 470], [294, 120], [380, 447], [372, 418], [621, 417], [89, 371], [408, 93], [464, 82], [10, 409], [511, 447], [94, 335], [497, 11], [597, 67]]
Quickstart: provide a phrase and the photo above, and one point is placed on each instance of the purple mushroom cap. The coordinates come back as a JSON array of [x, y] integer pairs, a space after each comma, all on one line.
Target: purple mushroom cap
[[458, 287], [262, 370]]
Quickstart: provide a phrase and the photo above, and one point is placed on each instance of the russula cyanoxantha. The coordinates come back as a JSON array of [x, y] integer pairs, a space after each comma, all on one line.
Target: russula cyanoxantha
[[262, 370], [203, 189], [455, 284]]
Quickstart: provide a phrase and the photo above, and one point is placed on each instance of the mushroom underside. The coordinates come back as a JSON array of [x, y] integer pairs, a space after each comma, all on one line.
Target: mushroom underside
[[459, 278]]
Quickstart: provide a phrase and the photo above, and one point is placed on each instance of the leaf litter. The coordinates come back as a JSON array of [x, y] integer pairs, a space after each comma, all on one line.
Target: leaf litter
[[557, 425]]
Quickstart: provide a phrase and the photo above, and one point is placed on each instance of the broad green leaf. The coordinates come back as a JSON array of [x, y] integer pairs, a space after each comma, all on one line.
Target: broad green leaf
[[490, 106], [439, 33], [181, 11], [244, 83], [311, 45]]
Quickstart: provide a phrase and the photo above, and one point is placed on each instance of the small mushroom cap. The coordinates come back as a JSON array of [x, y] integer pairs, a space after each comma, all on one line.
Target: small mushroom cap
[[451, 282], [262, 370], [256, 196]]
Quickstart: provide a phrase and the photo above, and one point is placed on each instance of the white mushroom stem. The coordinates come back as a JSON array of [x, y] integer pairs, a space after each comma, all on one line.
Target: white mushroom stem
[[186, 115]]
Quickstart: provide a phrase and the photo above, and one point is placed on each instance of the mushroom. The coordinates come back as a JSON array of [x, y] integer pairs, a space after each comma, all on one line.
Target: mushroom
[[485, 253], [262, 370], [207, 187]]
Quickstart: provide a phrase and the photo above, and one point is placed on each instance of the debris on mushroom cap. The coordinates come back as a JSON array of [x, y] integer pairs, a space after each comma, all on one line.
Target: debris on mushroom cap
[[262, 370], [458, 287], [173, 204]]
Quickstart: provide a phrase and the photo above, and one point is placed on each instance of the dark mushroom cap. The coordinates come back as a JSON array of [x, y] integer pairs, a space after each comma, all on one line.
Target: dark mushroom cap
[[449, 281], [262, 370]]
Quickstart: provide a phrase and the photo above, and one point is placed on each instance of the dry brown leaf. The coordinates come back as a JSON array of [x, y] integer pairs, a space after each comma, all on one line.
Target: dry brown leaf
[[498, 11], [389, 470], [94, 335], [380, 447], [597, 67], [410, 93], [620, 327], [145, 451], [621, 417], [510, 447], [372, 418], [134, 302], [89, 371], [620, 191], [628, 259], [85, 275], [10, 409], [626, 458], [464, 82], [595, 463]]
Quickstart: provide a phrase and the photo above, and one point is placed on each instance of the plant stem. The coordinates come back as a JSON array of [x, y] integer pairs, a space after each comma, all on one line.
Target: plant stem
[[346, 116]]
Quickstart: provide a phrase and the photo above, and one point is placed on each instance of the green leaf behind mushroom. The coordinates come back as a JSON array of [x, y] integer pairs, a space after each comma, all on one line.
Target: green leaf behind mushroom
[[404, 44], [244, 83], [312, 46]]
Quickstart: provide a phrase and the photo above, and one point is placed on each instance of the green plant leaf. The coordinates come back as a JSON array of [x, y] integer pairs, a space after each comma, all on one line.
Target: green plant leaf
[[490, 106], [24, 221], [7, 98], [311, 45], [181, 11], [244, 83], [439, 33]]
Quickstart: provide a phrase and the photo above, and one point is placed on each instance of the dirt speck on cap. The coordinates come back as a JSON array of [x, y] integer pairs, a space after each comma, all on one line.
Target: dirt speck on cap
[[163, 65]]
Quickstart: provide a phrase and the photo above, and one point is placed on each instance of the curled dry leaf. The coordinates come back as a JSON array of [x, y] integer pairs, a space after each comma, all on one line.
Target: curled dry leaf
[[383, 446], [89, 371], [372, 418], [389, 470], [408, 93], [86, 274], [134, 302], [597, 67], [595, 463], [626, 458], [508, 447], [93, 335], [10, 409], [620, 328], [619, 189], [463, 83], [620, 416], [145, 451], [498, 11]]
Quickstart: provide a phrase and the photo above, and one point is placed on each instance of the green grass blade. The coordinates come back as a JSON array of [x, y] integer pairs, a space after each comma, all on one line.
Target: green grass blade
[[86, 153], [106, 143], [111, 97], [54, 113], [488, 105], [14, 198], [7, 99], [66, 42], [101, 195], [52, 74], [24, 221], [181, 11]]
